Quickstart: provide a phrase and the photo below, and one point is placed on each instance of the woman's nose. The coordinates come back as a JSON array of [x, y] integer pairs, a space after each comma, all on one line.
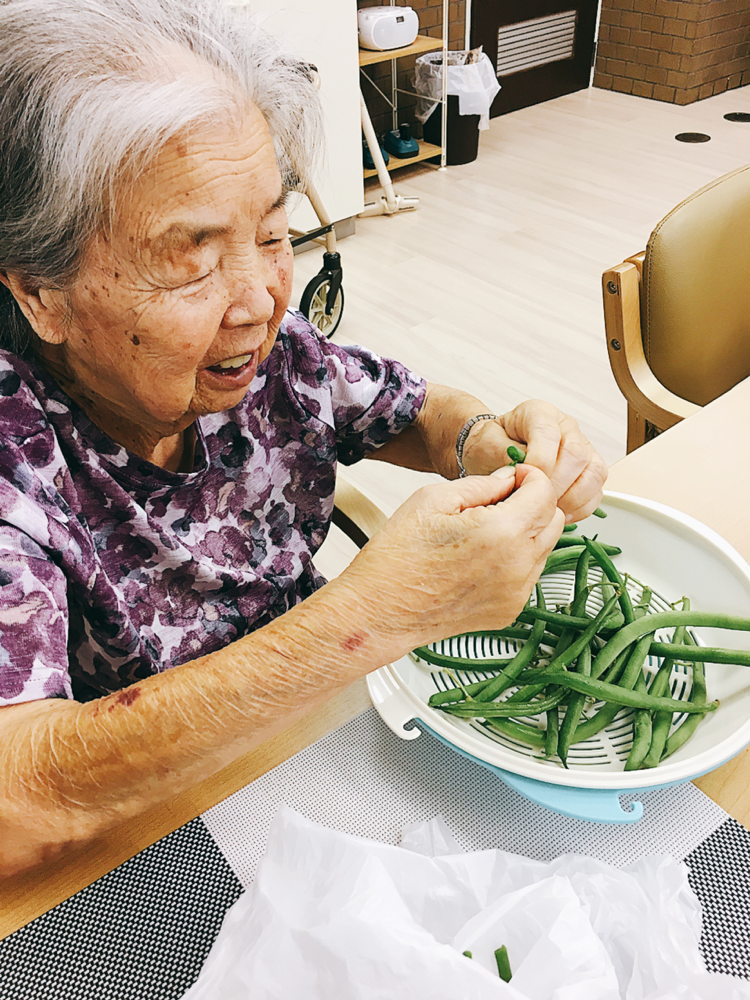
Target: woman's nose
[[250, 284]]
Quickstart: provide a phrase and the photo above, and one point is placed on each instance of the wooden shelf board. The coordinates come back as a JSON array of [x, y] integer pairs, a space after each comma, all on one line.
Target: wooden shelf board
[[426, 151], [423, 43]]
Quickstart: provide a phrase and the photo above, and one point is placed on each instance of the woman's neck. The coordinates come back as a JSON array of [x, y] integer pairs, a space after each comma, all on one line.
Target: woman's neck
[[172, 451]]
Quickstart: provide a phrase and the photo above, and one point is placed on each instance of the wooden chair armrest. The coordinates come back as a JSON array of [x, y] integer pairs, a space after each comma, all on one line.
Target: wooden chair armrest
[[622, 320], [355, 514]]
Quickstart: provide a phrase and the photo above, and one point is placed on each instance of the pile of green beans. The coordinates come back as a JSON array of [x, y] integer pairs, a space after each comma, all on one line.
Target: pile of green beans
[[569, 660]]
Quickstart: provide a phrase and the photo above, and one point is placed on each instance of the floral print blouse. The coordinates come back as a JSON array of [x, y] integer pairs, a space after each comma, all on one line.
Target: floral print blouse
[[113, 569]]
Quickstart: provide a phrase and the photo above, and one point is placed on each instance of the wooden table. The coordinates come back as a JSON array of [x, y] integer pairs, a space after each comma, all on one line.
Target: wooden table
[[701, 466]]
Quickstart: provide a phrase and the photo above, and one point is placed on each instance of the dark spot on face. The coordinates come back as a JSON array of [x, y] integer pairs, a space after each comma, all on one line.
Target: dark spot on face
[[136, 339], [125, 698], [353, 642]]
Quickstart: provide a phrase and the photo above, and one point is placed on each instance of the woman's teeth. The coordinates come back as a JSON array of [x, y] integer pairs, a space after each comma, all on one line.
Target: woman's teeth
[[234, 362]]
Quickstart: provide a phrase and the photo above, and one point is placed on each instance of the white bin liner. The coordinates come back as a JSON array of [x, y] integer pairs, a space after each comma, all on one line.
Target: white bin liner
[[471, 79], [336, 917]]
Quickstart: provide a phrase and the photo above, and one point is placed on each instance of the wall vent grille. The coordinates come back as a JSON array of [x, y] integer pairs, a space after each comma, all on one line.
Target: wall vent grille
[[535, 43]]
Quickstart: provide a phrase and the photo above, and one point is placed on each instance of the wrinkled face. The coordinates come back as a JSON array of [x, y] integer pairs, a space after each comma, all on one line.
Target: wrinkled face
[[175, 308]]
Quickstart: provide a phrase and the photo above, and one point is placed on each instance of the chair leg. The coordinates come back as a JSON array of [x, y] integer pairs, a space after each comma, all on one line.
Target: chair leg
[[640, 430], [637, 434]]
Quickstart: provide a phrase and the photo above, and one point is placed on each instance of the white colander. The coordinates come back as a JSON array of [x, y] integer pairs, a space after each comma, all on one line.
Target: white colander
[[674, 555]]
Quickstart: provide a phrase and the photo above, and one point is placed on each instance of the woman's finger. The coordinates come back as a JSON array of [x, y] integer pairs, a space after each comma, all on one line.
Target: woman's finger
[[585, 494], [547, 537], [456, 495], [536, 424], [533, 502], [574, 461]]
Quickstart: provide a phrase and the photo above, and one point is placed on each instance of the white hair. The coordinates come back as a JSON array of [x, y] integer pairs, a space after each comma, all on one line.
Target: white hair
[[92, 90]]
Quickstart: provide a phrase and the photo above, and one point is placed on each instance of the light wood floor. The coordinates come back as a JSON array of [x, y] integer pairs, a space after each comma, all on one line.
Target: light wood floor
[[493, 284]]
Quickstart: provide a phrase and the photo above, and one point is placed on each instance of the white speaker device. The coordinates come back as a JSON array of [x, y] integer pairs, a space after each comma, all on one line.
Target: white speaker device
[[387, 27]]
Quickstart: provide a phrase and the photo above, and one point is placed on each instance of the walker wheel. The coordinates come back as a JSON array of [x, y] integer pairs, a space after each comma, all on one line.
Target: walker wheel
[[313, 304]]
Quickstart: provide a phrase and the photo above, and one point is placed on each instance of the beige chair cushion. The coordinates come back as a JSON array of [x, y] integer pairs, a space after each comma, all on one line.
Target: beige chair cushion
[[695, 300]]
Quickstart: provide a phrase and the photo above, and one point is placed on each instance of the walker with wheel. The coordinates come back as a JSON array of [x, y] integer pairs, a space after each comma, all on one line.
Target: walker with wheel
[[322, 301]]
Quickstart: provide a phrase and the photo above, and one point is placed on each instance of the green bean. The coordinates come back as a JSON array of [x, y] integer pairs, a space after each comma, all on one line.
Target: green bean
[[663, 619], [570, 527], [503, 964], [457, 694], [662, 721], [496, 633], [551, 733], [698, 695], [556, 619], [459, 662], [561, 559], [703, 654], [566, 657], [577, 702], [580, 585], [492, 688], [511, 632], [642, 728], [615, 694], [574, 710], [598, 553], [599, 512], [468, 954], [523, 657], [644, 602], [471, 709], [614, 672], [519, 731], [625, 671], [566, 542]]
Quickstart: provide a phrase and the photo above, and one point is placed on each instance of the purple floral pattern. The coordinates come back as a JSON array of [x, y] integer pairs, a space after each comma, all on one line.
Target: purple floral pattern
[[113, 569]]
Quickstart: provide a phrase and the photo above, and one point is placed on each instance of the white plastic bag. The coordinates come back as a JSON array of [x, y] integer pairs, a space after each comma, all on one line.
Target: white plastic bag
[[475, 84], [332, 916]]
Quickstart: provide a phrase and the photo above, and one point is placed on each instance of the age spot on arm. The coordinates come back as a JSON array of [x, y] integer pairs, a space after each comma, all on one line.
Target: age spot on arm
[[125, 698], [352, 642]]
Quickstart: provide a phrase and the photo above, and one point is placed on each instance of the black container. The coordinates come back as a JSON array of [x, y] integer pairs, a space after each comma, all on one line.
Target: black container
[[463, 134]]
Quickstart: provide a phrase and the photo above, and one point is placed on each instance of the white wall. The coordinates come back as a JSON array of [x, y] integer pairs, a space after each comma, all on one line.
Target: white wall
[[324, 32]]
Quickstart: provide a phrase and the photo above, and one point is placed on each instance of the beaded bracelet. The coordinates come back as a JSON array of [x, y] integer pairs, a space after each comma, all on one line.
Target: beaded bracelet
[[461, 441]]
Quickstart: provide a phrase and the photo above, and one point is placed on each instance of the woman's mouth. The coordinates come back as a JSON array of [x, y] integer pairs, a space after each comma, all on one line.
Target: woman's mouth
[[235, 372]]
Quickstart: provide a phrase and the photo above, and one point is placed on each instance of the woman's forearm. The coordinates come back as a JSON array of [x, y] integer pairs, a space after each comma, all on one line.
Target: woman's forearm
[[70, 771], [429, 444]]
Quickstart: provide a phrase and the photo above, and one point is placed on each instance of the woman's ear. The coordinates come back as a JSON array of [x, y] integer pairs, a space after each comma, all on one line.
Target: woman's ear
[[45, 308]]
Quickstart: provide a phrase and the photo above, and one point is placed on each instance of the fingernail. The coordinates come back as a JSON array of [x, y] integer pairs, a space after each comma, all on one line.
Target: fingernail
[[568, 518], [506, 472]]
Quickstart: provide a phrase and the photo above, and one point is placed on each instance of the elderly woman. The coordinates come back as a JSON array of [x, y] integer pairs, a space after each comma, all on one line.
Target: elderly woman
[[170, 430]]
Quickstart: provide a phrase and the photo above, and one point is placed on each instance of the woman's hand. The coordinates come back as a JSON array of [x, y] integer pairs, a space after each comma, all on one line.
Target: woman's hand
[[553, 443], [456, 557]]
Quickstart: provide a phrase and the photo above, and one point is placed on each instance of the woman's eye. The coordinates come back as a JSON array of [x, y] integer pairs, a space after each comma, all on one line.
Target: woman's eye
[[197, 281]]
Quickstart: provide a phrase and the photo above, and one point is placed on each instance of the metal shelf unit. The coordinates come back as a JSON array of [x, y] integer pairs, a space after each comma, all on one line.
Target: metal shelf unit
[[422, 44]]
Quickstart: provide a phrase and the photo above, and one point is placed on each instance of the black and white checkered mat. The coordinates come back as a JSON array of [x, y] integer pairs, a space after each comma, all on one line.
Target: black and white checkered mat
[[140, 933], [143, 931], [720, 877]]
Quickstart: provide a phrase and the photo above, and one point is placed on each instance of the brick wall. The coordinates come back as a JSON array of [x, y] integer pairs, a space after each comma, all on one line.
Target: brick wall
[[673, 50], [430, 23]]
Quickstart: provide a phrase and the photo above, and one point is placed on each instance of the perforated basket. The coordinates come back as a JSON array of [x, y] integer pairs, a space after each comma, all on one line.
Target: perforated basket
[[673, 555]]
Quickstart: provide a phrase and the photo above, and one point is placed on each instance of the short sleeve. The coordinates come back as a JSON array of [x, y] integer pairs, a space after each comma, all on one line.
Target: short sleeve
[[372, 398], [33, 622]]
